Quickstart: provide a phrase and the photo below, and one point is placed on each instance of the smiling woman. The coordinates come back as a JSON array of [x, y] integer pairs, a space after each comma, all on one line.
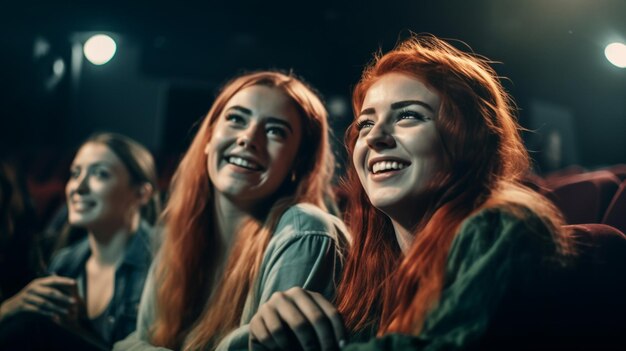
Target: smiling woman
[[253, 147], [95, 284], [448, 246], [246, 218]]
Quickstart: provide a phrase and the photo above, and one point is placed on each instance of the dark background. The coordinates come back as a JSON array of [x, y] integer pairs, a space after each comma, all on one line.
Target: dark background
[[172, 58]]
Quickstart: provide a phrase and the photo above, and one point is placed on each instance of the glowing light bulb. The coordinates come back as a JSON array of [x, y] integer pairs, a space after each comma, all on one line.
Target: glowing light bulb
[[99, 49], [616, 54]]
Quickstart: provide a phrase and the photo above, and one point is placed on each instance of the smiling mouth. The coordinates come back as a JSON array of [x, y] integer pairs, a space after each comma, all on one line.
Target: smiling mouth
[[388, 166], [82, 205], [243, 163]]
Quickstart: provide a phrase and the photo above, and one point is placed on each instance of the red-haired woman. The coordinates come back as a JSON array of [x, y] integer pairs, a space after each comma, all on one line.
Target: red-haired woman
[[246, 217], [446, 238]]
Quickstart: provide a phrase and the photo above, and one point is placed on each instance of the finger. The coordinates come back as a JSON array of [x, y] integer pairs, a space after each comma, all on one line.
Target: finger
[[290, 313], [43, 305], [58, 280], [34, 309], [318, 319], [333, 316], [53, 295], [260, 337], [256, 345], [280, 323]]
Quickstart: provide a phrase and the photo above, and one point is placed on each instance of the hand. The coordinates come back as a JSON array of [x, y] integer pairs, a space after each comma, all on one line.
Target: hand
[[77, 311], [49, 296], [307, 315]]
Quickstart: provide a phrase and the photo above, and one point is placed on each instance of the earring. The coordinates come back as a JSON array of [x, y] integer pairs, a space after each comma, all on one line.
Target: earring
[[293, 176]]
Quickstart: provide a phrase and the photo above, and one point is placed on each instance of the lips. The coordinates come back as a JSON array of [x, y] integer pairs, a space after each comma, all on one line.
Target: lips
[[82, 205], [244, 162]]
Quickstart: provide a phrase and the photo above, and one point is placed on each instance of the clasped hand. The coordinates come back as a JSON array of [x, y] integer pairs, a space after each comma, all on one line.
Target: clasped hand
[[53, 296], [297, 319]]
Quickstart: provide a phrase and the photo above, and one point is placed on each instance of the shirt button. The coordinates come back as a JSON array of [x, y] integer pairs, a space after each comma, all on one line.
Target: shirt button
[[111, 319]]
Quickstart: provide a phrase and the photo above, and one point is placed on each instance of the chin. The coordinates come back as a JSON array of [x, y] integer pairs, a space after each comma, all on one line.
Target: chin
[[383, 204]]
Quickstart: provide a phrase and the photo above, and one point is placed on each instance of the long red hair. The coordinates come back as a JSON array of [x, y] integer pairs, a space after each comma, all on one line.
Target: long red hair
[[188, 316], [484, 159]]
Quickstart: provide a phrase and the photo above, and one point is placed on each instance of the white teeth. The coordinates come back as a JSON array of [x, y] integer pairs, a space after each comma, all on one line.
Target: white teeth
[[387, 165], [243, 163]]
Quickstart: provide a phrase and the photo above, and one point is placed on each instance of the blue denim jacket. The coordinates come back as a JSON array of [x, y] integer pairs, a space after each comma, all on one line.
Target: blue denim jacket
[[120, 317]]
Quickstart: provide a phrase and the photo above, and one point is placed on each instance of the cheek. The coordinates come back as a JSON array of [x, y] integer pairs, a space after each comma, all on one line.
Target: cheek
[[283, 157], [68, 187], [211, 155], [358, 157], [114, 195]]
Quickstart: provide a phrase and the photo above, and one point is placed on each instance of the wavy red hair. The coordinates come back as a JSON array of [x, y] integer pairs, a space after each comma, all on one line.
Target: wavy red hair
[[484, 160], [187, 317]]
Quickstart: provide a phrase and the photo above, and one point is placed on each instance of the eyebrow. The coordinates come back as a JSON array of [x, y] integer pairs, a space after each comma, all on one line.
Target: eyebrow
[[399, 105], [241, 109], [95, 164]]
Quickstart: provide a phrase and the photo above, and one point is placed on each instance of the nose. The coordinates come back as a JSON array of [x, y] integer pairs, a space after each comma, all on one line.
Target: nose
[[80, 184], [250, 137], [380, 137]]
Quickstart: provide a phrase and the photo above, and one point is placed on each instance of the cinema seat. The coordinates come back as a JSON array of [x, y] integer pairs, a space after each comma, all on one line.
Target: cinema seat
[[584, 198], [616, 212]]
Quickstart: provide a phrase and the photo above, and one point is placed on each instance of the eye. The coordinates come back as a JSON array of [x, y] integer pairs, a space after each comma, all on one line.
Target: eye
[[364, 124], [410, 114], [276, 132], [101, 173], [234, 118], [74, 173]]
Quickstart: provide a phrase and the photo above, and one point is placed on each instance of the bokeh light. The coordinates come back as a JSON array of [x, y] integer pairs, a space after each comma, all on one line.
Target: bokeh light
[[616, 54], [99, 49]]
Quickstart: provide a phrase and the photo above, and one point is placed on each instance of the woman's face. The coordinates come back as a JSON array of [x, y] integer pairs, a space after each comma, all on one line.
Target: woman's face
[[398, 152], [253, 145], [99, 192]]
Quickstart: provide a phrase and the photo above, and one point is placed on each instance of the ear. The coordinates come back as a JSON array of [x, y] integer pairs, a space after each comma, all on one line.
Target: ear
[[206, 148], [145, 192]]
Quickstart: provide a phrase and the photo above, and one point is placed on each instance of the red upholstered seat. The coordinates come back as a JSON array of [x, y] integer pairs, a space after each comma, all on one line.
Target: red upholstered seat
[[584, 198], [616, 212], [619, 170]]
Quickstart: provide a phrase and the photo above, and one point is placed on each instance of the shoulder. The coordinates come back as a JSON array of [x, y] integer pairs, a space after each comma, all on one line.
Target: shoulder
[[497, 243], [305, 219], [493, 222], [511, 228], [144, 242], [307, 229]]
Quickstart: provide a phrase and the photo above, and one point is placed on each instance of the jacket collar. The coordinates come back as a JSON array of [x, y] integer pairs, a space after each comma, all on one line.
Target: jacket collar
[[138, 251]]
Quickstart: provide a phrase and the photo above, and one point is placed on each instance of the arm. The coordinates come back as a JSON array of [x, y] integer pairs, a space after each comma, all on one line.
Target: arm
[[139, 339], [492, 253], [298, 256]]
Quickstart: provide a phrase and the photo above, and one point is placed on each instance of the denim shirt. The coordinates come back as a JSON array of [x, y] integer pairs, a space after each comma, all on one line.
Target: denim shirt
[[305, 251], [120, 317]]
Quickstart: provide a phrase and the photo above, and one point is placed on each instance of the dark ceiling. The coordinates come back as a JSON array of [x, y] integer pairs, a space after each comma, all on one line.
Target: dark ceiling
[[551, 50]]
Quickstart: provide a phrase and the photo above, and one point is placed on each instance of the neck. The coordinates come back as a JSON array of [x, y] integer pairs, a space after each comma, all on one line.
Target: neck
[[407, 221], [229, 217], [404, 235], [108, 246]]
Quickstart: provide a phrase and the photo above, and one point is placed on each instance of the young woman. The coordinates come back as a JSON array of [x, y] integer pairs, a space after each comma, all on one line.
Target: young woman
[[446, 239], [245, 218], [95, 285]]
